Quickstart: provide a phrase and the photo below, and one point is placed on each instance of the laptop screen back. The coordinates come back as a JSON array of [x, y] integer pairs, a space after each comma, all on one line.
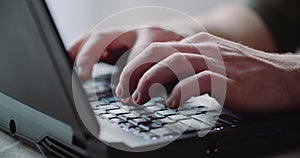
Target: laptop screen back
[[33, 64]]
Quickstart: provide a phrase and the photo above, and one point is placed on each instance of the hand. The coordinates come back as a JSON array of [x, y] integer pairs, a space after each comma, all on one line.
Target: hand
[[255, 81], [109, 45]]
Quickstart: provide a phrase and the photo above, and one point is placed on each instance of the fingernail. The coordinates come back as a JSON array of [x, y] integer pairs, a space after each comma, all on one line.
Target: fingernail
[[119, 90], [79, 70], [170, 102], [135, 96]]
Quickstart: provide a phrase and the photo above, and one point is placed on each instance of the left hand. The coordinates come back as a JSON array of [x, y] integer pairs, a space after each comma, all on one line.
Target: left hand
[[255, 81]]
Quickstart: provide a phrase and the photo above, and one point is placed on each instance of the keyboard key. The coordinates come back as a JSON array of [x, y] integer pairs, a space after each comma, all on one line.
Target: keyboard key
[[118, 112], [213, 112], [149, 104], [196, 124], [181, 128], [112, 99], [205, 118], [154, 108], [108, 116], [140, 112], [164, 132], [109, 107], [191, 105], [149, 125], [203, 110], [188, 112], [127, 125], [138, 121], [178, 117], [129, 116], [118, 104], [190, 130], [164, 121], [95, 105], [166, 112], [229, 118], [130, 107], [183, 108], [99, 112], [117, 120], [224, 123], [154, 117], [191, 112]]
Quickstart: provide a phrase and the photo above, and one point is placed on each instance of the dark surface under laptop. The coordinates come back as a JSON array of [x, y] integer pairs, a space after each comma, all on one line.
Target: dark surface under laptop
[[33, 59]]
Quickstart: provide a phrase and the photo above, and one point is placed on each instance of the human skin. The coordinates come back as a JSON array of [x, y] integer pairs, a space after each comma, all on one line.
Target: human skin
[[232, 22], [259, 81], [256, 81]]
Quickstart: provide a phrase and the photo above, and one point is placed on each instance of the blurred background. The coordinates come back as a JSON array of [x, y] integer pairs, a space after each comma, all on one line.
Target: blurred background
[[74, 17]]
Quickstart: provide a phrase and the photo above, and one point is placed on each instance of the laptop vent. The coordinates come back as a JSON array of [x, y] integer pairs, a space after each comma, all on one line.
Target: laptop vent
[[53, 148]]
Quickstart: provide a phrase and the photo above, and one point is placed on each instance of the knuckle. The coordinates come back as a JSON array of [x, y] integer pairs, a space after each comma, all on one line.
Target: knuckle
[[204, 34], [176, 57], [155, 47], [200, 37], [205, 76]]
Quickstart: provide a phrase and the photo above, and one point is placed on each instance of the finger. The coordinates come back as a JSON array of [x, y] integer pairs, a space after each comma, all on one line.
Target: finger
[[143, 40], [175, 67], [154, 53], [209, 45], [127, 101], [112, 56], [204, 37], [137, 49], [202, 83], [150, 34], [75, 45], [212, 50], [201, 37], [90, 53]]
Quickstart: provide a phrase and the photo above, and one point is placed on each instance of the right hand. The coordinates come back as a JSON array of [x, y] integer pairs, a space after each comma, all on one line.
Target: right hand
[[109, 45]]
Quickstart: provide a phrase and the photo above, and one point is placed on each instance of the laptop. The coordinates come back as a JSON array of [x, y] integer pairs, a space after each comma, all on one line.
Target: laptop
[[43, 103]]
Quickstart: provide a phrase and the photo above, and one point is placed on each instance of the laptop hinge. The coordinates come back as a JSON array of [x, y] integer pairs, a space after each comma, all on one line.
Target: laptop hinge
[[79, 140]]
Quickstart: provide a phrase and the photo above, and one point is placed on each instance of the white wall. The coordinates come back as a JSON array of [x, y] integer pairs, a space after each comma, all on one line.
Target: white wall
[[74, 17]]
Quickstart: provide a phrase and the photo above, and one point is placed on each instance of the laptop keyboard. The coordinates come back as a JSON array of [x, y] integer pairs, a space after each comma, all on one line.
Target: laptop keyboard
[[154, 120]]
